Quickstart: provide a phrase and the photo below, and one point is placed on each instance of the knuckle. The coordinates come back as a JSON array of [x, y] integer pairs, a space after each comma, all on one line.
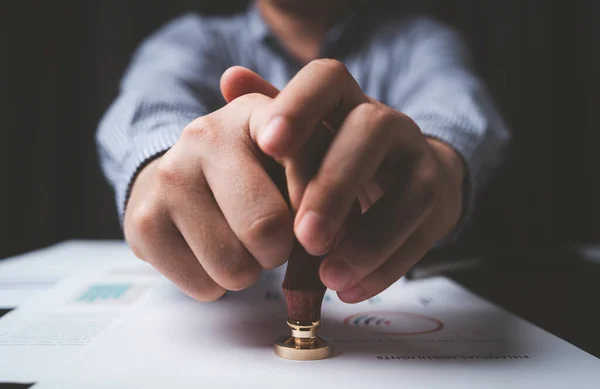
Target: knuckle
[[202, 130], [278, 253], [200, 287], [275, 263], [144, 220], [182, 271], [211, 296], [367, 110], [135, 247], [334, 66], [142, 223], [426, 186], [267, 226], [252, 99], [208, 292], [384, 117], [232, 266], [250, 110], [379, 118], [169, 171], [240, 274], [409, 122], [385, 121], [245, 279]]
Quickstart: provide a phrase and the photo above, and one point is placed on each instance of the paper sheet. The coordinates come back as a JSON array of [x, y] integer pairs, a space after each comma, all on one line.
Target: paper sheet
[[430, 334], [25, 276], [88, 288]]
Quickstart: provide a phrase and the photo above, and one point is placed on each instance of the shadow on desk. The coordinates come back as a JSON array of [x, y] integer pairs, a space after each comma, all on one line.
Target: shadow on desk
[[556, 289]]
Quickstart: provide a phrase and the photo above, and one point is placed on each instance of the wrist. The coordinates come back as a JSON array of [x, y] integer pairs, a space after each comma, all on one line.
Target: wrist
[[450, 158], [454, 171], [141, 181]]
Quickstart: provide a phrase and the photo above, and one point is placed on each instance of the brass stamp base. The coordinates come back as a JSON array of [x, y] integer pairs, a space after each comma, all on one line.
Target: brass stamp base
[[286, 347]]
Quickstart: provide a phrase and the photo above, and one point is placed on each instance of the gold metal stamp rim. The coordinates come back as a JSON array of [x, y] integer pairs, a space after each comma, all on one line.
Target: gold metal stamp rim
[[285, 348]]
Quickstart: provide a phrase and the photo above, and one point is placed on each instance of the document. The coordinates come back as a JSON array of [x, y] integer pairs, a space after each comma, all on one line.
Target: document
[[127, 327], [25, 276], [82, 289]]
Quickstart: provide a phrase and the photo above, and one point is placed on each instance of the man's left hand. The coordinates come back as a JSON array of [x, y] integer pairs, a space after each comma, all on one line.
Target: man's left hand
[[410, 187]]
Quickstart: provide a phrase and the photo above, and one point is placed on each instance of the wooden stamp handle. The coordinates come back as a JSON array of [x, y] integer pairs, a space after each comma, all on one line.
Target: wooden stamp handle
[[302, 286]]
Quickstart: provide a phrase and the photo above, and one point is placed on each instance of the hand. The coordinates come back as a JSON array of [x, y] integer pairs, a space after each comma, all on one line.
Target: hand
[[208, 214], [409, 186]]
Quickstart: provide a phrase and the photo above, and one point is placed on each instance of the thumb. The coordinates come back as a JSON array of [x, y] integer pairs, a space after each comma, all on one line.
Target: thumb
[[238, 81]]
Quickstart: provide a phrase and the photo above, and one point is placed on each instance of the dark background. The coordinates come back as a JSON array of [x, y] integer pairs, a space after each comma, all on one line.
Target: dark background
[[61, 62]]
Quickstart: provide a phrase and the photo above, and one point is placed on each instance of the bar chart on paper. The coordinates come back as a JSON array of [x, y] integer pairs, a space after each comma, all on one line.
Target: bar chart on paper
[[104, 292], [109, 293]]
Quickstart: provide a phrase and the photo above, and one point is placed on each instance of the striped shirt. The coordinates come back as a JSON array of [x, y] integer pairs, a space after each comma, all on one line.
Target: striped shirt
[[413, 64]]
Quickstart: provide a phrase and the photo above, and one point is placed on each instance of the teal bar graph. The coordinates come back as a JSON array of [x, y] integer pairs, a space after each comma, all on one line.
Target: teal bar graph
[[103, 292]]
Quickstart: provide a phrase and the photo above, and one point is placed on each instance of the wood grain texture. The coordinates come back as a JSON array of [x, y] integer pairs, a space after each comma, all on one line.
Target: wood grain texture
[[302, 286]]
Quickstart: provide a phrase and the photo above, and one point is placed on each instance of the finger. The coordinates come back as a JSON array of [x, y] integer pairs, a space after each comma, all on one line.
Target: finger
[[178, 263], [299, 168], [400, 262], [238, 81], [254, 208], [162, 245], [353, 158], [201, 223], [322, 91], [379, 233], [303, 166], [251, 203]]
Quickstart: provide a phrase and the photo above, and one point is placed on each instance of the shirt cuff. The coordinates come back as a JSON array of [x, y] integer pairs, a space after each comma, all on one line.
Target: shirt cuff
[[147, 147], [473, 150]]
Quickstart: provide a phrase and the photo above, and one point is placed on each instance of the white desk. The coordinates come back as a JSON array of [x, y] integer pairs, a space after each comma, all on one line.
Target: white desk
[[119, 324]]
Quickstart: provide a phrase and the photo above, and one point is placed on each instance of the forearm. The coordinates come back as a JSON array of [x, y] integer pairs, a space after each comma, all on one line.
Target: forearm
[[134, 131], [463, 117], [451, 104], [172, 80]]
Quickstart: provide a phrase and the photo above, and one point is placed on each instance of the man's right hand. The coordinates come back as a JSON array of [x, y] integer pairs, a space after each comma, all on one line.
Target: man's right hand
[[208, 214]]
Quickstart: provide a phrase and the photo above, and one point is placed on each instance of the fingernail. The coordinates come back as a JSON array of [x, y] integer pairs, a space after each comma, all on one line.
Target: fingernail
[[274, 136], [353, 295], [315, 231], [337, 274]]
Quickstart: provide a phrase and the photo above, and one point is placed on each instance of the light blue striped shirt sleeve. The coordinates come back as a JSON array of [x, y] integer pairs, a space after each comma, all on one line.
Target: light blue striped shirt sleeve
[[172, 80], [440, 92]]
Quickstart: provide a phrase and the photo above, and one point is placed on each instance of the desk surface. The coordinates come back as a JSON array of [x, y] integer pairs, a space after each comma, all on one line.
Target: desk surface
[[433, 324], [556, 289]]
